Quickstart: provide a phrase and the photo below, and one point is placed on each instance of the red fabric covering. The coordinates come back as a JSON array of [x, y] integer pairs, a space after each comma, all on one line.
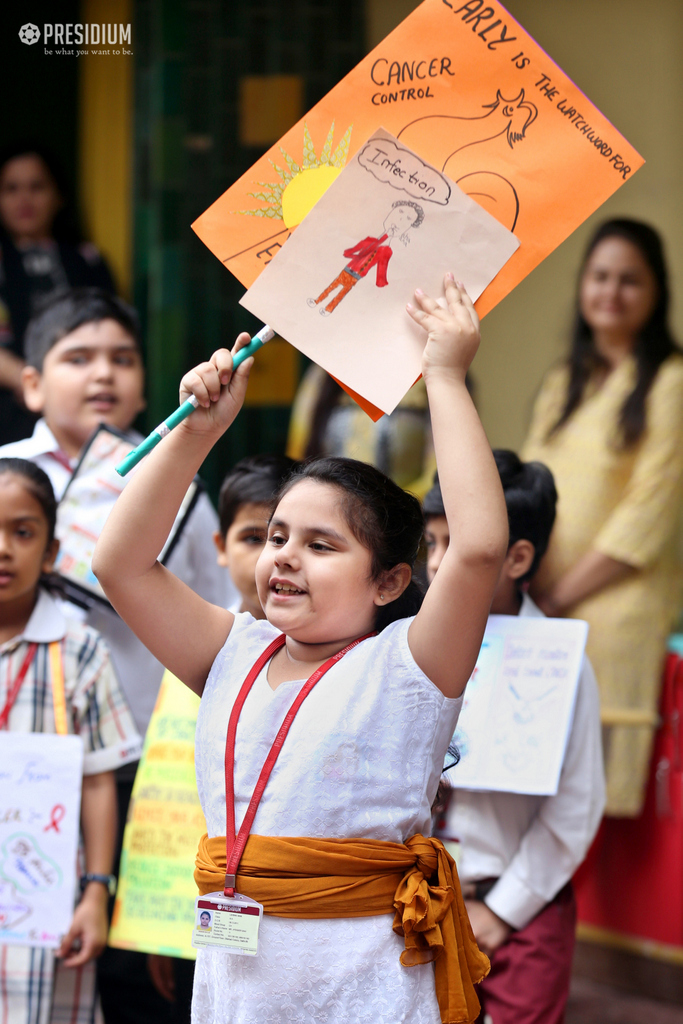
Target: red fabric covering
[[530, 974], [632, 880]]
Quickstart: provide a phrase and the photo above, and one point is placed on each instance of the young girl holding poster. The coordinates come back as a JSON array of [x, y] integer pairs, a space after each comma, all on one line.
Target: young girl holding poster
[[56, 677], [359, 893]]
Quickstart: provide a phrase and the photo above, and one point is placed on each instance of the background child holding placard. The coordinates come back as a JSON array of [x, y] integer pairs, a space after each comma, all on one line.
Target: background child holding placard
[[517, 853], [33, 688], [360, 766]]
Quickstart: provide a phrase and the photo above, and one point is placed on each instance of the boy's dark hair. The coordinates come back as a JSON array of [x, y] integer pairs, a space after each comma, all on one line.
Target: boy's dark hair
[[384, 518], [37, 483], [530, 497], [432, 504], [252, 481], [69, 310]]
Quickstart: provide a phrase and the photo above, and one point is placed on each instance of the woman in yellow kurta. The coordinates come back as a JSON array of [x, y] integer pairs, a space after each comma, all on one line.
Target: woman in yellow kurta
[[609, 424]]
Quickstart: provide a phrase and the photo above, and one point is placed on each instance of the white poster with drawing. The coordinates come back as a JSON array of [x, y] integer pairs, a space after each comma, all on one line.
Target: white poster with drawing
[[337, 290], [40, 798], [518, 707], [85, 506]]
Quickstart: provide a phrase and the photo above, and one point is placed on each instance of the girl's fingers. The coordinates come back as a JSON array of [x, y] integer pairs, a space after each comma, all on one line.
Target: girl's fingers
[[211, 379], [243, 369], [242, 339], [203, 382], [453, 290], [418, 315], [206, 381], [469, 306], [426, 303], [222, 360], [193, 385]]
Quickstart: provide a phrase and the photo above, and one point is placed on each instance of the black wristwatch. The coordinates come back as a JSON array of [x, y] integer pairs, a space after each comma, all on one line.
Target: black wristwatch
[[109, 881]]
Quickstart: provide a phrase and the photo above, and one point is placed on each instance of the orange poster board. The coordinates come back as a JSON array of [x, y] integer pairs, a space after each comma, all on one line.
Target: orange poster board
[[465, 86]]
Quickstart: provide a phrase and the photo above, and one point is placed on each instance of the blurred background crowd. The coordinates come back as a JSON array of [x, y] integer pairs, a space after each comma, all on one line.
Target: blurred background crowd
[[105, 162]]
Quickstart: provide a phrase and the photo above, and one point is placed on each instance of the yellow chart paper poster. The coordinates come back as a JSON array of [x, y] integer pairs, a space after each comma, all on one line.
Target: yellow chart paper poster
[[154, 910], [466, 88]]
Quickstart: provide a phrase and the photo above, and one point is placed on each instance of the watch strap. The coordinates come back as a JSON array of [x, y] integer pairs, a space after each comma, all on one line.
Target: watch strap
[[109, 881]]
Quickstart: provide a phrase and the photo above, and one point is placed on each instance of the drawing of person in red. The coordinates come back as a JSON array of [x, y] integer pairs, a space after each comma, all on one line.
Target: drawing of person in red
[[370, 252]]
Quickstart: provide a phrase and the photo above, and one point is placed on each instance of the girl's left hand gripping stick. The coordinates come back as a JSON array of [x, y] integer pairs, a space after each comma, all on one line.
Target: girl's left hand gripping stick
[[189, 406]]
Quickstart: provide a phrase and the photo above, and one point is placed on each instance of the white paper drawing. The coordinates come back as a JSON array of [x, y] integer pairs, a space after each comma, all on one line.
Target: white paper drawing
[[40, 795], [338, 288], [518, 707]]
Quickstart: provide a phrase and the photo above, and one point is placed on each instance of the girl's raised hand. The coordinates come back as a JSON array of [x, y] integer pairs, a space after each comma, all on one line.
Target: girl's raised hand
[[219, 391], [452, 332]]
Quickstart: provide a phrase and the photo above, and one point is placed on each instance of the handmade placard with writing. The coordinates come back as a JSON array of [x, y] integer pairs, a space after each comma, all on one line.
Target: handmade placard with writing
[[518, 707], [470, 91], [154, 910], [338, 290], [40, 799]]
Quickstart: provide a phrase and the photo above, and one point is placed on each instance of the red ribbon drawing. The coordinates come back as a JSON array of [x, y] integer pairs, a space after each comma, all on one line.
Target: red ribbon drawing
[[56, 815]]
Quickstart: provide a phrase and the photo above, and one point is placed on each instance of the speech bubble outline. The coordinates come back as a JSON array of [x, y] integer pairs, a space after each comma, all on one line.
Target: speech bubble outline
[[404, 170]]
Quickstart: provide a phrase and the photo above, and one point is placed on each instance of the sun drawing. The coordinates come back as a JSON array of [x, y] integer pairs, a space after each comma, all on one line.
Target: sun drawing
[[300, 187]]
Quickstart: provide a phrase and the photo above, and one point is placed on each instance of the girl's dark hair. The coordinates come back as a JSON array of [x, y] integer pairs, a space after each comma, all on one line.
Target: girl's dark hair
[[384, 518], [654, 343], [65, 227], [531, 500], [37, 483]]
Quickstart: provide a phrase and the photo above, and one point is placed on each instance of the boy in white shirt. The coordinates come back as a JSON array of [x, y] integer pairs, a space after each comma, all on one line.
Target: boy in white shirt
[[84, 367], [517, 853]]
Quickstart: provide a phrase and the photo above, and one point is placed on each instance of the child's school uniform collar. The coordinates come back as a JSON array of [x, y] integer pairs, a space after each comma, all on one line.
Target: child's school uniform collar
[[47, 623], [41, 442]]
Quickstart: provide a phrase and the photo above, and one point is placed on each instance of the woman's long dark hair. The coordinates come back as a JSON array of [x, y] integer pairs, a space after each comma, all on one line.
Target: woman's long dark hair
[[654, 344], [384, 518]]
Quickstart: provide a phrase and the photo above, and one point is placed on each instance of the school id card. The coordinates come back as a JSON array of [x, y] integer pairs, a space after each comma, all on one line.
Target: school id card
[[230, 923]]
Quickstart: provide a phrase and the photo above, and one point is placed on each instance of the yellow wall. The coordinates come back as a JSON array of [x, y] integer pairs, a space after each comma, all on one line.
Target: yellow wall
[[626, 56], [106, 143]]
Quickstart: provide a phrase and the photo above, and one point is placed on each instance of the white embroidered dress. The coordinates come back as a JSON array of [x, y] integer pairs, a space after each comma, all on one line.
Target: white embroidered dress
[[362, 759]]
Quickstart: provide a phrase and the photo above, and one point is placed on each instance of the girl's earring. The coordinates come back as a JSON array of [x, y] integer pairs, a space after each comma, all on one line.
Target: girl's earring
[[381, 597]]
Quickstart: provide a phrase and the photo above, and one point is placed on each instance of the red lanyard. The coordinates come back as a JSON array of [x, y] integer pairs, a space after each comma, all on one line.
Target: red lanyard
[[235, 845], [16, 685]]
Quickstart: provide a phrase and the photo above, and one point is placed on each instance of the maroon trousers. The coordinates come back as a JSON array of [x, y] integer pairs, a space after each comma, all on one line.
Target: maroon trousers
[[529, 978]]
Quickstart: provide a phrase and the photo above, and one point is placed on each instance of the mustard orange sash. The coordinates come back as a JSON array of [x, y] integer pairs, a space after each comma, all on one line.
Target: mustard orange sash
[[318, 878]]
